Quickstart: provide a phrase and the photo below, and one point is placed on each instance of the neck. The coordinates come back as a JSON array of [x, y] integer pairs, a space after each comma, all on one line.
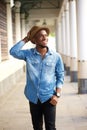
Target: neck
[[42, 50]]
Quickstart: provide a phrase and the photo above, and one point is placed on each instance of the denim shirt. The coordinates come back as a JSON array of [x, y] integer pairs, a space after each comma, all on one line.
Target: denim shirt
[[43, 75]]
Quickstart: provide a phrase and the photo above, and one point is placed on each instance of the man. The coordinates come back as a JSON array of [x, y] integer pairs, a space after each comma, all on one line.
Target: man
[[45, 75]]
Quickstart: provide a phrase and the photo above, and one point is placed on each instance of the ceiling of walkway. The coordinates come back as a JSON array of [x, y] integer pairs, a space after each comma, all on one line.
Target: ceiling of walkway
[[41, 11]]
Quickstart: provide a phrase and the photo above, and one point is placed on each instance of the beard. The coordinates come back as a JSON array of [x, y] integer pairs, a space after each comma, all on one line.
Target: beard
[[42, 46]]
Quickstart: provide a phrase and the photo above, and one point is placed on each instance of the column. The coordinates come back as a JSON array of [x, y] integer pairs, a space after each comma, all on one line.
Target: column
[[23, 25], [9, 25], [82, 45], [27, 25], [67, 35], [17, 21], [63, 38], [73, 41], [56, 32], [60, 37], [0, 47]]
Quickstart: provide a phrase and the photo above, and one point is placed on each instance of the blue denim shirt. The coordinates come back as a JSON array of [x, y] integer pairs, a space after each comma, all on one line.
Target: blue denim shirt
[[42, 75]]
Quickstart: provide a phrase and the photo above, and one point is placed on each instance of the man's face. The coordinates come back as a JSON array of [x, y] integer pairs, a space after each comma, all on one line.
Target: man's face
[[41, 38]]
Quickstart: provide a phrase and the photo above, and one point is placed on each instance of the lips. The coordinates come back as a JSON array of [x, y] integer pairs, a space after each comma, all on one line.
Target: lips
[[45, 40]]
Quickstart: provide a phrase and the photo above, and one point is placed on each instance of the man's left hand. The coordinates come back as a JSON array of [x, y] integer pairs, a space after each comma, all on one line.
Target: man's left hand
[[54, 100]]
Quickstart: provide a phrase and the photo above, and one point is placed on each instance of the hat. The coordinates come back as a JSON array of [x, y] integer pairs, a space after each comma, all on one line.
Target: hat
[[35, 29]]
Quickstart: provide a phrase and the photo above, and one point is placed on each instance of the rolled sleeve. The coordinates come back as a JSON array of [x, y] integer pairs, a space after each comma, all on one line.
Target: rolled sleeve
[[59, 73], [16, 51]]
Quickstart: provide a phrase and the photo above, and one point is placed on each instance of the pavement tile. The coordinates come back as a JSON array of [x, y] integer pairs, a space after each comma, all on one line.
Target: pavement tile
[[71, 108]]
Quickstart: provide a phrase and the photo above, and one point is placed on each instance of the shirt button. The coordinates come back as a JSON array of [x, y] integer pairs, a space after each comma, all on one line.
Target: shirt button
[[38, 94]]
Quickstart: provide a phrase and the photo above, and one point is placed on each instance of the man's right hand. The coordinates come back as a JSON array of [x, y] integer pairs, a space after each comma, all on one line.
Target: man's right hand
[[26, 39]]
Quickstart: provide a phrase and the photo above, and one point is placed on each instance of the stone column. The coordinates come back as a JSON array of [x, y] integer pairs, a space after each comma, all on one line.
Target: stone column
[[27, 27], [73, 41], [0, 47], [67, 35], [82, 45], [63, 38], [9, 25], [23, 25], [56, 32], [17, 21], [60, 37]]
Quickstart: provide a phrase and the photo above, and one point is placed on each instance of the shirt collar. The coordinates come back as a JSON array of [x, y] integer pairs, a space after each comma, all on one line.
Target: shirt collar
[[50, 52]]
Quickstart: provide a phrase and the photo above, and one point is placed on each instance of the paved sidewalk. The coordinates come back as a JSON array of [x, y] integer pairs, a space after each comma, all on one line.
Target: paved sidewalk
[[71, 110]]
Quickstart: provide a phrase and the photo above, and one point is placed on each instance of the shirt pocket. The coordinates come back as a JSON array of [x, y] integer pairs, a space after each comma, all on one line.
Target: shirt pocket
[[33, 62], [49, 67]]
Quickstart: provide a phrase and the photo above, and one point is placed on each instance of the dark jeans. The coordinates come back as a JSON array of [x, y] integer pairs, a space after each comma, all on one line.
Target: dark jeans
[[40, 110]]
